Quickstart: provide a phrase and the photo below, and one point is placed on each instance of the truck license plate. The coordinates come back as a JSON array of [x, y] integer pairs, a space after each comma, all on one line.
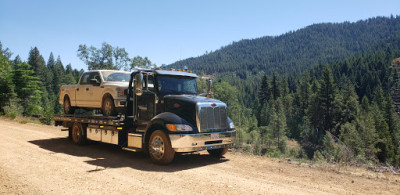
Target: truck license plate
[[215, 136]]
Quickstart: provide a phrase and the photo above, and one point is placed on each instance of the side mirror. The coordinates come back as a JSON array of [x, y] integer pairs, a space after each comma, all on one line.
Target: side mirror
[[94, 82], [139, 84]]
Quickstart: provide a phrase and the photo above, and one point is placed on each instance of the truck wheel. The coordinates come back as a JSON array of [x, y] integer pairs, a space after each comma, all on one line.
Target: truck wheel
[[70, 133], [160, 149], [78, 134], [218, 152], [108, 107], [68, 109]]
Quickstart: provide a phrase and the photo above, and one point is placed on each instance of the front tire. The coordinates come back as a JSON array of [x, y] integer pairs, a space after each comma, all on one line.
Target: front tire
[[68, 109], [218, 152], [160, 149], [108, 107]]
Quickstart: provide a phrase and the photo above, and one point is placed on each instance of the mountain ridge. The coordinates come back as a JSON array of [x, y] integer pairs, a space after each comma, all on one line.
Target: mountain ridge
[[296, 51]]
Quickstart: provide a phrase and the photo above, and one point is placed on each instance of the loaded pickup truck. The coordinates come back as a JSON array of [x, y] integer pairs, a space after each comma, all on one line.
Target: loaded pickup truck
[[97, 89], [163, 115]]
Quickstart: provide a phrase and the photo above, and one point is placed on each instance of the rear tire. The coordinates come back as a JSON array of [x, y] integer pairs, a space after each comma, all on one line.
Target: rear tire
[[160, 149], [68, 109], [78, 134], [218, 152], [70, 133], [108, 107]]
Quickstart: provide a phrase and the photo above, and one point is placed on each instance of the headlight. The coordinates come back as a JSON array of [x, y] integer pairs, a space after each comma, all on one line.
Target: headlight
[[231, 125], [120, 92], [179, 127]]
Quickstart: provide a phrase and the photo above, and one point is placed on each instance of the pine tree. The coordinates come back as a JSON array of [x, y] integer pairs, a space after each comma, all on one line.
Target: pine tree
[[264, 93], [314, 113], [16, 61], [277, 126], [275, 86], [27, 87], [346, 106], [392, 119], [304, 93], [45, 76], [366, 130], [36, 61], [326, 96], [6, 82]]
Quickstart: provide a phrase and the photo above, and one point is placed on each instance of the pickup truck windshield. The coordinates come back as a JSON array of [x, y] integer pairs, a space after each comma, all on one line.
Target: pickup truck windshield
[[173, 85], [115, 76]]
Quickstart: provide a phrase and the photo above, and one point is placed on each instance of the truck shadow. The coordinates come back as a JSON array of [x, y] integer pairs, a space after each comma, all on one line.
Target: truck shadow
[[105, 156]]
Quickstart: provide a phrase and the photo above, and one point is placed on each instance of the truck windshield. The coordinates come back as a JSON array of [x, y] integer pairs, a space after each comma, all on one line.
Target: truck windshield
[[173, 85], [115, 76]]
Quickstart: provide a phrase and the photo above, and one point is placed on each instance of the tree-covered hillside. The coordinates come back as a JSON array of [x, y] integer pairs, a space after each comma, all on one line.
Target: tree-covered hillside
[[339, 108], [296, 51]]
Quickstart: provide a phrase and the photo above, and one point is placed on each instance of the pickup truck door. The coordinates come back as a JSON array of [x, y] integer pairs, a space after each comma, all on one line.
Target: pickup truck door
[[95, 91], [82, 96]]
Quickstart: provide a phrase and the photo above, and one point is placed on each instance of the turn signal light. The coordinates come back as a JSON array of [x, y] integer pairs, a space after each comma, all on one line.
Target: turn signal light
[[179, 127], [171, 127]]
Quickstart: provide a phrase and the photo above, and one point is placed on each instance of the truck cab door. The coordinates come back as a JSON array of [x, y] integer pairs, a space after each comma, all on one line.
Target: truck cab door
[[81, 96], [94, 91], [145, 109]]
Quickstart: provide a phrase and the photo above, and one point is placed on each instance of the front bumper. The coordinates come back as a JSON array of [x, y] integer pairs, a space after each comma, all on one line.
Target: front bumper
[[202, 141], [120, 102]]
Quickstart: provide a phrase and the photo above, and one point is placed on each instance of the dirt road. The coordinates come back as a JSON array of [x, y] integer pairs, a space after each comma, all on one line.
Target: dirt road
[[38, 159]]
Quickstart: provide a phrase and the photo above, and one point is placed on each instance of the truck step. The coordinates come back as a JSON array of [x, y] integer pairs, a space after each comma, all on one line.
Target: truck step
[[132, 149]]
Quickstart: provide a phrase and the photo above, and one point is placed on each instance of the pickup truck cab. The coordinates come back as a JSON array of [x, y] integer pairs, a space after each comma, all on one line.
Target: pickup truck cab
[[97, 89]]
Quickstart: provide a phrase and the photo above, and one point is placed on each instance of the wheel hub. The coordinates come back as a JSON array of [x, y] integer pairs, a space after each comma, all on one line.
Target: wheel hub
[[157, 147]]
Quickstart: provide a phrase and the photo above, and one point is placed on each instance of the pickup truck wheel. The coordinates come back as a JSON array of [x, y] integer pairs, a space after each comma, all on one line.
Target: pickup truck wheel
[[160, 149], [78, 135], [68, 109], [108, 107], [218, 152]]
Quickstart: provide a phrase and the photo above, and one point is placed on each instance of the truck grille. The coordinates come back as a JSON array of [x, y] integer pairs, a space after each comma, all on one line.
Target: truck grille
[[213, 118]]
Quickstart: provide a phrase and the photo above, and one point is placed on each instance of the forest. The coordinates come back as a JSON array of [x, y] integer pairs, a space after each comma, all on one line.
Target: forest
[[325, 92]]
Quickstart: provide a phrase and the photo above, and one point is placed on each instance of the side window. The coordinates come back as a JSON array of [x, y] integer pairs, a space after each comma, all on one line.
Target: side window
[[150, 85], [85, 79], [95, 75]]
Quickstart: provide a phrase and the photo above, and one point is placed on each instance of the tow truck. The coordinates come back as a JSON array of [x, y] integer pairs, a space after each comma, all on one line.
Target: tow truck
[[163, 115]]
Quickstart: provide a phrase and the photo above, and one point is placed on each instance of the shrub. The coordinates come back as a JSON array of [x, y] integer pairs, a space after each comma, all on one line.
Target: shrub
[[13, 110]]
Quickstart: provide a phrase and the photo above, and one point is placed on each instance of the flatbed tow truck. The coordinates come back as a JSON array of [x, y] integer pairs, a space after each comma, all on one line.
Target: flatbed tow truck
[[163, 115]]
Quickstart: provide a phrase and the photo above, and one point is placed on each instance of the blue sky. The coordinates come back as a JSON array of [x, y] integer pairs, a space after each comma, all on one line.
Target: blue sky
[[164, 30]]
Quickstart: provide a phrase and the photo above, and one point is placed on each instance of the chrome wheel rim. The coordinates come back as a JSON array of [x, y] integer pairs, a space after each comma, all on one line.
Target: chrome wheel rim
[[157, 147]]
